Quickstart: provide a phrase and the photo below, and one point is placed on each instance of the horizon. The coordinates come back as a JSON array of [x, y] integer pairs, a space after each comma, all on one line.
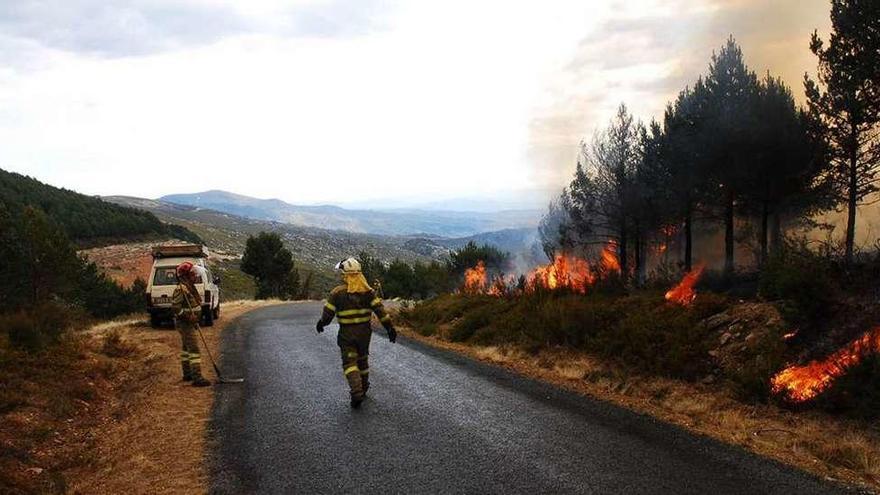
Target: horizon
[[385, 106]]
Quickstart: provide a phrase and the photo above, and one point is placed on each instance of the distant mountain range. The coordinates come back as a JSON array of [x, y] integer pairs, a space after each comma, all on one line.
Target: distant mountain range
[[400, 222], [320, 248]]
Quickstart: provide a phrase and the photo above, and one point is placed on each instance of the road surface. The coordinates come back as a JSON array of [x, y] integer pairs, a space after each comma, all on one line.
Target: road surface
[[436, 422]]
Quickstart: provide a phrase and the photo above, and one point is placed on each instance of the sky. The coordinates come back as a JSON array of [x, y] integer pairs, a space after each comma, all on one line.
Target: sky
[[355, 102]]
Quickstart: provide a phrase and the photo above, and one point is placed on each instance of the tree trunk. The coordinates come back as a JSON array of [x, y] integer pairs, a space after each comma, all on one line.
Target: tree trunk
[[621, 251], [776, 233], [728, 235], [765, 213], [851, 206], [640, 258], [688, 240]]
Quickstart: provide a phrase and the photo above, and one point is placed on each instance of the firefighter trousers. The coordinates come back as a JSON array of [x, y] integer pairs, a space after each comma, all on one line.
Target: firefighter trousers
[[190, 357], [354, 344]]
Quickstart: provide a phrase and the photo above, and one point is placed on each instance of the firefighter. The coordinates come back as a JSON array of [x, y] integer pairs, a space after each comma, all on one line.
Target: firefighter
[[187, 305], [353, 304]]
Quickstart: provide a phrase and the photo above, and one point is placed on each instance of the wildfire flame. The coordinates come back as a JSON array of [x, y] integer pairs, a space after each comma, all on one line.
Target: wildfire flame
[[802, 383], [565, 272], [684, 292], [475, 279], [610, 262]]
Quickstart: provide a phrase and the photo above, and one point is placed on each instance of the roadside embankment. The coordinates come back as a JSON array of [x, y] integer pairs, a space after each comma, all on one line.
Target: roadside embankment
[[105, 411]]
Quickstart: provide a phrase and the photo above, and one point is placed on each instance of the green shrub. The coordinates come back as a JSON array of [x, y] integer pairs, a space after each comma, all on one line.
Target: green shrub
[[857, 392], [479, 317], [803, 277], [37, 329], [764, 358], [641, 331], [656, 338]]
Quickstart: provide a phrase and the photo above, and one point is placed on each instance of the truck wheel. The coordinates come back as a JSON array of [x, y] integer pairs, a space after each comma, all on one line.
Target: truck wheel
[[155, 322], [209, 317], [217, 312]]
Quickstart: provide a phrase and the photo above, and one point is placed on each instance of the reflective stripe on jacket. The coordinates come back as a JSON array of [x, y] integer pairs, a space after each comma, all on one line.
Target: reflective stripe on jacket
[[354, 308]]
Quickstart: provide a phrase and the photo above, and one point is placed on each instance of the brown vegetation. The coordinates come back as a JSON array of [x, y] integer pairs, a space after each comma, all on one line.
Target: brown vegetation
[[105, 411], [124, 263]]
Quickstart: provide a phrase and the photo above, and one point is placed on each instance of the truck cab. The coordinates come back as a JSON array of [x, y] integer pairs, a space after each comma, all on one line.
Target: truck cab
[[163, 281]]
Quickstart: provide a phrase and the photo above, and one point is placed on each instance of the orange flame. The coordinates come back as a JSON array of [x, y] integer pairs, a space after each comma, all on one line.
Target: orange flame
[[802, 383], [475, 279], [565, 272], [684, 292], [609, 260], [501, 286]]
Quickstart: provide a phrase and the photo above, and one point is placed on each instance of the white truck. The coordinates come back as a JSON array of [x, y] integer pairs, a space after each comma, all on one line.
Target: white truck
[[163, 281]]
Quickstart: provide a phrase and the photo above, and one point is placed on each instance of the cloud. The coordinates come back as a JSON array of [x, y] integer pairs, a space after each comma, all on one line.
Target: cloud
[[139, 27], [326, 100]]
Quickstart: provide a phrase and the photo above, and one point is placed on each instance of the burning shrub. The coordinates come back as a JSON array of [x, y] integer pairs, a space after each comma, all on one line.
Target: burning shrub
[[683, 293], [801, 383]]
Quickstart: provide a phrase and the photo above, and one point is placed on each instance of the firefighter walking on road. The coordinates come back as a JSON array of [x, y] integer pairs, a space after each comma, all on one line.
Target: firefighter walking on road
[[353, 304], [187, 305]]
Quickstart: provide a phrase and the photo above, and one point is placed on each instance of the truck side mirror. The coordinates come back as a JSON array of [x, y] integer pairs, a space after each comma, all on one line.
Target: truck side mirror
[[217, 280]]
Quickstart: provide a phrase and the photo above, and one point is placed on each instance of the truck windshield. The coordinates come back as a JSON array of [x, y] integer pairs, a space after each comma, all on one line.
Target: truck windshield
[[165, 275]]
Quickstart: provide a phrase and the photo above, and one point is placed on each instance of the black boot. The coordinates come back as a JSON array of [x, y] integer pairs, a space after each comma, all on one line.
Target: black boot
[[200, 381], [356, 400], [365, 383], [187, 371]]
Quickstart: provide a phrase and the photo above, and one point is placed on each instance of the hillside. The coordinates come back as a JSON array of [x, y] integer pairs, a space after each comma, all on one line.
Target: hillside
[[315, 250], [85, 219], [384, 222]]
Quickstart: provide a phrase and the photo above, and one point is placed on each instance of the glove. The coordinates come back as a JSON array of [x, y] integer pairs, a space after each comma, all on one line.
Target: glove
[[319, 326], [392, 334]]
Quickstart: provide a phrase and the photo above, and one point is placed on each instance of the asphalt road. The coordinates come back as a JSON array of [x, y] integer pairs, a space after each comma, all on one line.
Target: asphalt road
[[436, 422]]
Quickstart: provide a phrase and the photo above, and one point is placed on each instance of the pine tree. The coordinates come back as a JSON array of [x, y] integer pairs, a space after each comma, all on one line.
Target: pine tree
[[731, 91], [270, 263], [846, 99]]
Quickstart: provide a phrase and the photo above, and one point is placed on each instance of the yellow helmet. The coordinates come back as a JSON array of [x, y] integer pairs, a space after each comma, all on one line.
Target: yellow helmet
[[349, 265]]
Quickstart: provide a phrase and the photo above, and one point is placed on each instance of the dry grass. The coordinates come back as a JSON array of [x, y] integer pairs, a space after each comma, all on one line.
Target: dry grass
[[108, 413], [830, 447], [158, 445]]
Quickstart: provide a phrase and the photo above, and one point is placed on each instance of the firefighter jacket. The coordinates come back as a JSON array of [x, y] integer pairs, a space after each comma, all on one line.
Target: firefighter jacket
[[354, 309], [186, 302]]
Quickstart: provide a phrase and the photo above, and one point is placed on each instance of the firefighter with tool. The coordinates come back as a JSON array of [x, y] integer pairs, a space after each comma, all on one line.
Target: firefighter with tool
[[187, 311], [353, 304]]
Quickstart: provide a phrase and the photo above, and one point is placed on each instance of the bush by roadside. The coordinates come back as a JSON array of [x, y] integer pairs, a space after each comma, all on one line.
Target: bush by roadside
[[638, 331]]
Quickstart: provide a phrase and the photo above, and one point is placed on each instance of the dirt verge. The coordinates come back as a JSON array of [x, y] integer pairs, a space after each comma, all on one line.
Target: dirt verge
[[157, 444], [105, 411]]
